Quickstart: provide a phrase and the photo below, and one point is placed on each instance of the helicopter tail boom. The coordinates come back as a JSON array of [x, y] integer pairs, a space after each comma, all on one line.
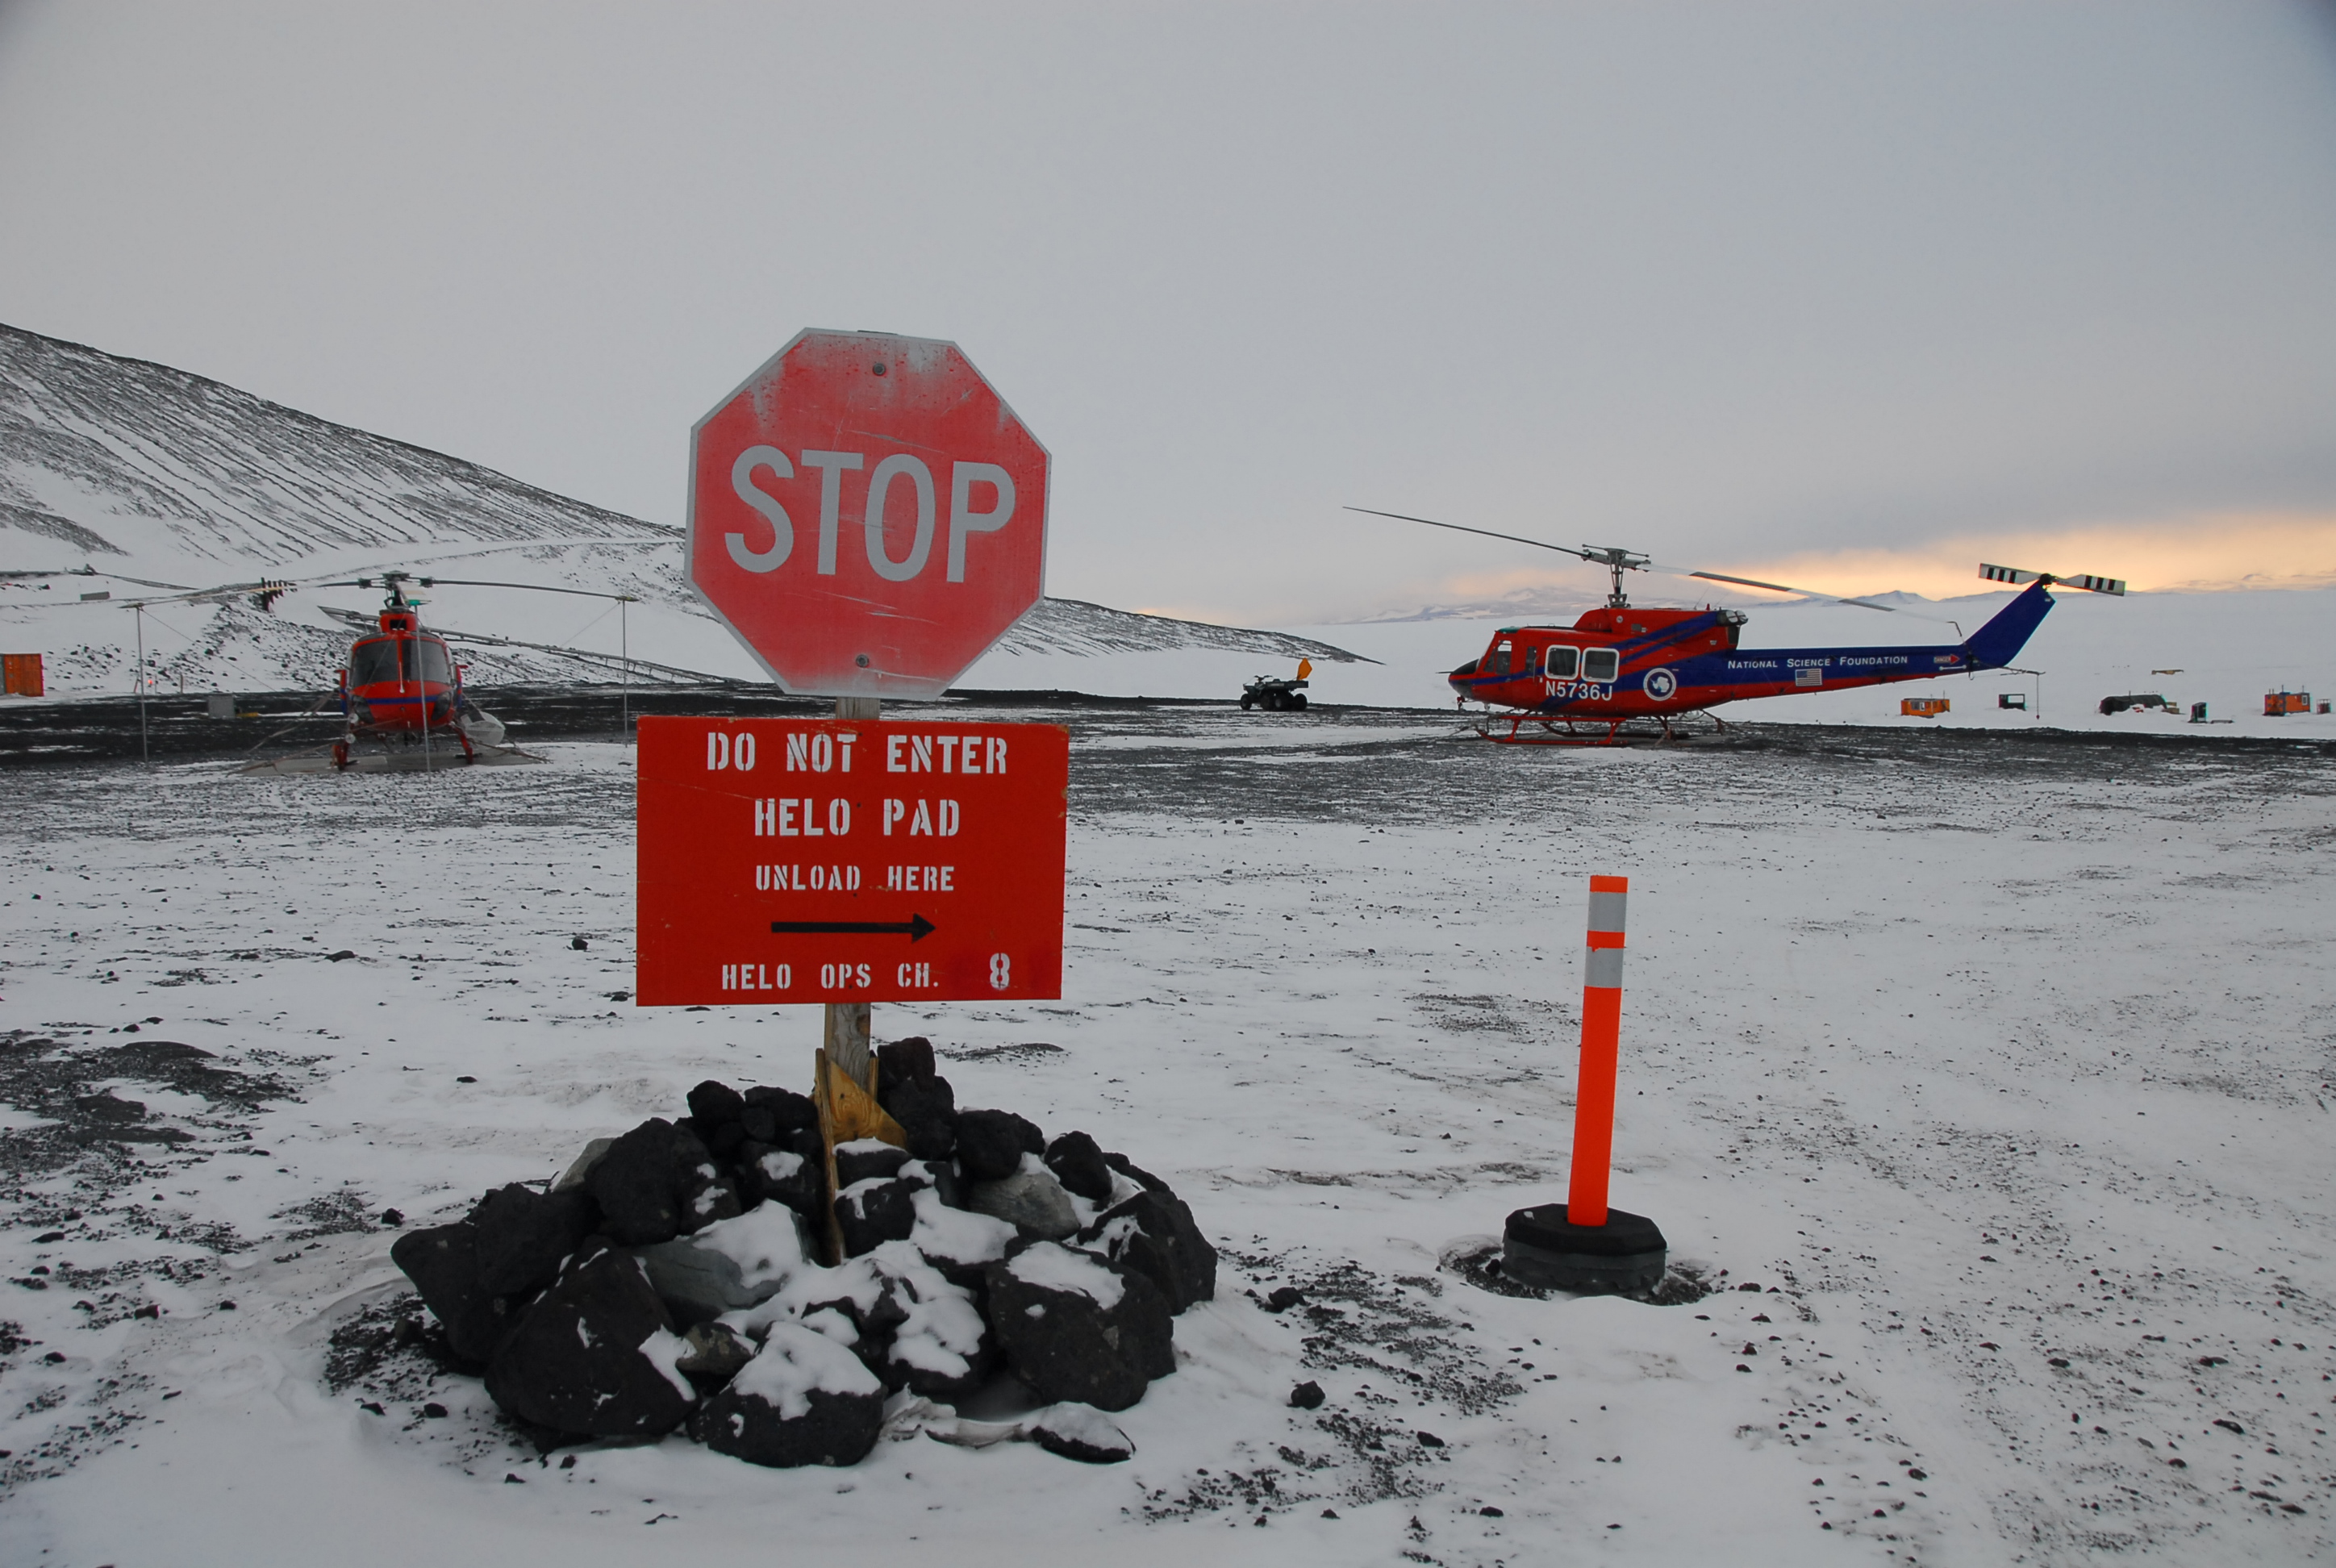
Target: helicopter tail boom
[[1998, 642]]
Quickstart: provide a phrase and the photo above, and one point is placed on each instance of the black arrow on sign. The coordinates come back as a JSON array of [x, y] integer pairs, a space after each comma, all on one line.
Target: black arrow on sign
[[915, 928]]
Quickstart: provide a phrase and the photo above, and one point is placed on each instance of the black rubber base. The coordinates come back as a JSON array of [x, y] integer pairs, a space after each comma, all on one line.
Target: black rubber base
[[1541, 1247]]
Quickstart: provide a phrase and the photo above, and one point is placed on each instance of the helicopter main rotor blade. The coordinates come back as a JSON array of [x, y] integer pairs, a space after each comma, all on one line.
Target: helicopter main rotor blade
[[1633, 565], [1620, 561], [527, 587], [1486, 532], [1782, 588]]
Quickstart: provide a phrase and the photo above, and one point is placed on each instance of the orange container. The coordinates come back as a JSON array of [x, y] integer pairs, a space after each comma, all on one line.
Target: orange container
[[1922, 706], [20, 675], [2275, 703]]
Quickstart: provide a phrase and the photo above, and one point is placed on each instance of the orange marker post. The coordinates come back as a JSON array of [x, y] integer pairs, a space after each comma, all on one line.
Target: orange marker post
[[1602, 1034]]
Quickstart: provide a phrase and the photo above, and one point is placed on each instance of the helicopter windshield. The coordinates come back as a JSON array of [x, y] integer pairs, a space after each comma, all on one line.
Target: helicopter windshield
[[374, 663]]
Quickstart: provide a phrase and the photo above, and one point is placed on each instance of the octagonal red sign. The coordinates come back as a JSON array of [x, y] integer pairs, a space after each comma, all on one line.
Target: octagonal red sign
[[867, 515]]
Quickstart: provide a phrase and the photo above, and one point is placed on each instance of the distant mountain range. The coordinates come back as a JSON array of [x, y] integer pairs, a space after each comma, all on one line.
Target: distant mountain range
[[154, 478]]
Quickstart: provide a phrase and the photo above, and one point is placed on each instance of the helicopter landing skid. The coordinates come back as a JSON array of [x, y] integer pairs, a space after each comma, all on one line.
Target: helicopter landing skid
[[1575, 731], [331, 760]]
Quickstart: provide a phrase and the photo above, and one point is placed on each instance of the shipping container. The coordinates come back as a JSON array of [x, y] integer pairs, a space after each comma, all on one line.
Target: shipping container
[[21, 675], [1922, 706]]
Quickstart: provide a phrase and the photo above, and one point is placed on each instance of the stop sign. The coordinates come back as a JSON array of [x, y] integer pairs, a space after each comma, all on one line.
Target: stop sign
[[866, 514]]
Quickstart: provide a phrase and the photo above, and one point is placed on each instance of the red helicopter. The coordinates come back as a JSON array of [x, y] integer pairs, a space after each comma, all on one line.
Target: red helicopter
[[404, 683], [1579, 685], [402, 686]]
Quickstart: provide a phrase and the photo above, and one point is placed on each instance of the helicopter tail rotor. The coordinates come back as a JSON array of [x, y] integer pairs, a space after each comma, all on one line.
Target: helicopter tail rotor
[[2086, 580]]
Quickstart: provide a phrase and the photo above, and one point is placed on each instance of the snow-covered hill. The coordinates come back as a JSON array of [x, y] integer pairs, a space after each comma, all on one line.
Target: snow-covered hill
[[148, 479]]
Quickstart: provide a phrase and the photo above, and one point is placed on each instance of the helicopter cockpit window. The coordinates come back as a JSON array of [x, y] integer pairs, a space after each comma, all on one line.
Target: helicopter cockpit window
[[1599, 664], [435, 666], [372, 663], [1564, 663], [1499, 663]]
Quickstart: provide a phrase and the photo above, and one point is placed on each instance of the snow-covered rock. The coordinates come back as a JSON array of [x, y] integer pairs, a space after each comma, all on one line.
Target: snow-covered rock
[[1077, 1326], [803, 1399]]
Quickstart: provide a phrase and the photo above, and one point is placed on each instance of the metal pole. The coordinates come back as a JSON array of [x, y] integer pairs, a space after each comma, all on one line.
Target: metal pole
[[625, 650], [143, 754], [422, 684]]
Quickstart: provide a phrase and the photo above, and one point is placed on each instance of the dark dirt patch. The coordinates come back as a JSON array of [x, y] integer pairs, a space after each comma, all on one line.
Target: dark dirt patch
[[93, 1128], [1022, 1053], [336, 1214], [1354, 1449], [390, 1351]]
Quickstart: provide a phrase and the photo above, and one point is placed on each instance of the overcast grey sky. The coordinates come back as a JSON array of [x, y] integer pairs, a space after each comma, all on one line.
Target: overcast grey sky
[[1735, 283]]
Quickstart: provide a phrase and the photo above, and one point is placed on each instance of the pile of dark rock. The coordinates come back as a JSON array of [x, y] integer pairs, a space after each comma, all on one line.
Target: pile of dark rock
[[671, 1280]]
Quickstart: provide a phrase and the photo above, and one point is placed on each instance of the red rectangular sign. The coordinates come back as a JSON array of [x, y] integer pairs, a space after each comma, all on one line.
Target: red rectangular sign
[[842, 861]]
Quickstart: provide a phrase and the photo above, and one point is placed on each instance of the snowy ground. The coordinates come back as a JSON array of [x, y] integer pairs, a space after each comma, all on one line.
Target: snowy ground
[[2000, 1065]]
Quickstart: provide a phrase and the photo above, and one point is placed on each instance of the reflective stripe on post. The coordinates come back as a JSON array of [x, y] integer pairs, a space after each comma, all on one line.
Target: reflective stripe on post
[[1602, 1029]]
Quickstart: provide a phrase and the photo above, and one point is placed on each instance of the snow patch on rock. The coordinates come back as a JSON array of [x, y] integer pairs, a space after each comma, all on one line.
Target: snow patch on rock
[[795, 1360], [1057, 1268]]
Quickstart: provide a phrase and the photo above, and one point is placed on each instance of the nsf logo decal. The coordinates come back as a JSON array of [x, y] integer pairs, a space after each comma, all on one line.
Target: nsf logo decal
[[1660, 683]]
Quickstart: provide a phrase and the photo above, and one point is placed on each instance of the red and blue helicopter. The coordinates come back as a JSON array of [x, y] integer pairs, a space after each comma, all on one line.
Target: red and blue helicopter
[[1581, 684]]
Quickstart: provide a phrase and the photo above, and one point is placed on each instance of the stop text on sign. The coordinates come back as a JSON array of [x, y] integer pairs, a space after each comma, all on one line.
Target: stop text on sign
[[965, 518], [829, 859]]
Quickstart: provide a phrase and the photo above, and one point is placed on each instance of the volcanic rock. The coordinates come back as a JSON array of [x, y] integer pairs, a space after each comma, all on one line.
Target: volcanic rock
[[927, 1112], [714, 1103], [803, 1399], [1079, 1328], [523, 1235], [991, 1144], [695, 1284], [942, 1176], [1077, 1163], [713, 1351], [1031, 1201], [874, 1212], [794, 1120], [865, 1159], [580, 1169], [728, 1266], [909, 1061], [940, 1349], [1078, 1432], [1196, 1259], [959, 1242], [708, 1195], [1153, 1234], [443, 1262], [781, 1175], [654, 1183], [595, 1356]]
